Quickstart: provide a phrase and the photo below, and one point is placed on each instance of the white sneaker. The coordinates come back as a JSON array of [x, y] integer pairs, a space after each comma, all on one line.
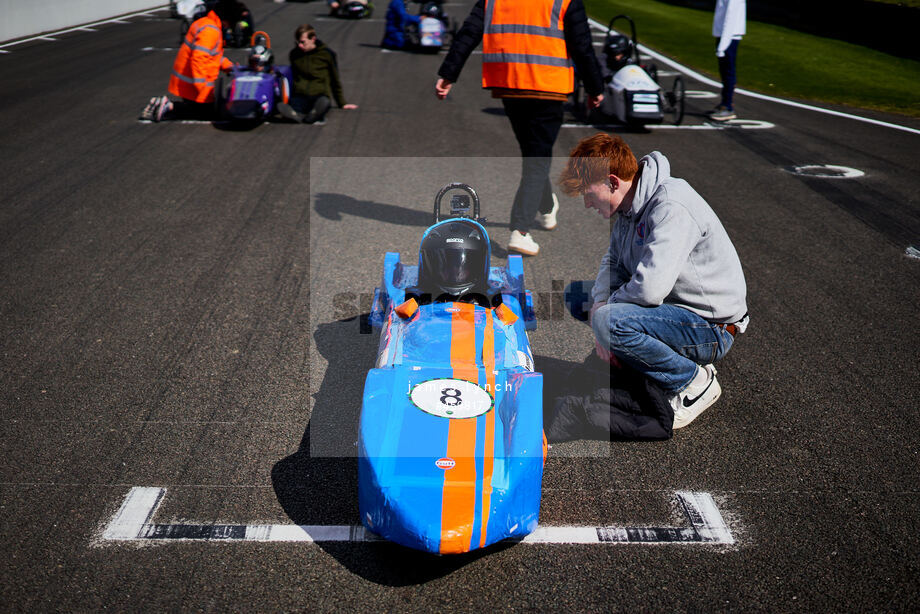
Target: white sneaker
[[150, 110], [163, 107], [547, 221], [695, 398], [523, 243]]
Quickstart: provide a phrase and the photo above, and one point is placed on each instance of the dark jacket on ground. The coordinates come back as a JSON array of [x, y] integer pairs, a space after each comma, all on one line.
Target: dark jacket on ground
[[598, 401], [578, 42], [316, 73]]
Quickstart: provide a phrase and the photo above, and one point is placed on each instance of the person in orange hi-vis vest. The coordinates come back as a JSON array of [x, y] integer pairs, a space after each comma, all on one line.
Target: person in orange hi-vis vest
[[196, 69], [532, 50]]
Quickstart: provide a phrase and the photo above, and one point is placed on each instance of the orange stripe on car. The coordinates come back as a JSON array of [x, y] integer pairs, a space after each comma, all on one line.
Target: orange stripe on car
[[458, 501], [488, 362]]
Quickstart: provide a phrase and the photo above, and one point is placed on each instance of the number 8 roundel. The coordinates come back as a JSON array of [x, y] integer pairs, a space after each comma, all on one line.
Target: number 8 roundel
[[451, 398]]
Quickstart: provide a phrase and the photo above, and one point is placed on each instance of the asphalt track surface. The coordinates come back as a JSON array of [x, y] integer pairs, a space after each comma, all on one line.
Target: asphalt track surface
[[175, 313]]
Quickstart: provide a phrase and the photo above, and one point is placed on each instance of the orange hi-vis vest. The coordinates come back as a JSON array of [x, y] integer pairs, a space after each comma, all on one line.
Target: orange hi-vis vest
[[199, 60], [523, 46]]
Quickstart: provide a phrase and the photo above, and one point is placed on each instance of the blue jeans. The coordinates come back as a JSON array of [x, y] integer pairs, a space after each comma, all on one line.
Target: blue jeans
[[666, 343], [727, 73]]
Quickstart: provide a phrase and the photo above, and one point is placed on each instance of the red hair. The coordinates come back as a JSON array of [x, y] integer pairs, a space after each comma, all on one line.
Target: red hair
[[593, 159]]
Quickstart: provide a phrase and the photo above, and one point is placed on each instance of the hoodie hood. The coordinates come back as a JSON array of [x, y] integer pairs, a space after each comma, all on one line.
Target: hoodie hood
[[654, 169]]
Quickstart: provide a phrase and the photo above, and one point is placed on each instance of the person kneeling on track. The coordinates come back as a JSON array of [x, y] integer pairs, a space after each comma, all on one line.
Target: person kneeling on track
[[670, 296], [316, 79], [196, 68], [398, 19]]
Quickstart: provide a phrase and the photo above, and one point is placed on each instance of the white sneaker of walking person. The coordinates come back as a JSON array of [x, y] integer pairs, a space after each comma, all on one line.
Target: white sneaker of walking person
[[547, 221], [702, 392], [523, 243]]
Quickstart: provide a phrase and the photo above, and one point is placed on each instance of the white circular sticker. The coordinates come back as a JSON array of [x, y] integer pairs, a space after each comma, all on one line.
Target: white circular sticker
[[451, 398]]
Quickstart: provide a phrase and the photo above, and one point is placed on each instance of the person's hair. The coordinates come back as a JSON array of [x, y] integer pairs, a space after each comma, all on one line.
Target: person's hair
[[593, 159], [303, 29]]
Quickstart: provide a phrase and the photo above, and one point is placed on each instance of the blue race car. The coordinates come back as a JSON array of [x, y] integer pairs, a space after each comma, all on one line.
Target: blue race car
[[451, 444]]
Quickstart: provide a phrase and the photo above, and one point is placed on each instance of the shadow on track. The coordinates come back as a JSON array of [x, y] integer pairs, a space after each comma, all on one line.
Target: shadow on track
[[332, 206]]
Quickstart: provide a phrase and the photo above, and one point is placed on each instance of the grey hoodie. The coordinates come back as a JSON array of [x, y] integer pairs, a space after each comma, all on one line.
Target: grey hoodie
[[670, 247]]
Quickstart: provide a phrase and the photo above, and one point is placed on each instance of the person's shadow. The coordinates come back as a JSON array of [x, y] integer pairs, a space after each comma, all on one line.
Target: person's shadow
[[318, 484], [333, 206]]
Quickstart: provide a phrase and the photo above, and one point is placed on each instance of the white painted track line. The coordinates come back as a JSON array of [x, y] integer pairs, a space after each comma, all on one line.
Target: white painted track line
[[136, 510], [132, 522], [87, 26]]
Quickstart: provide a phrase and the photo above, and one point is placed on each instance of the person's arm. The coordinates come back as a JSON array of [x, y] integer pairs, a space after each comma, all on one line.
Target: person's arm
[[405, 16], [205, 53], [734, 13], [672, 235], [465, 41], [610, 276], [579, 44], [334, 82]]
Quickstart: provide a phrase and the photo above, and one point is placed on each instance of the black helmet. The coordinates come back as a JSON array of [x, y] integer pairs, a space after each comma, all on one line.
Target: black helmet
[[619, 51], [454, 259], [261, 56]]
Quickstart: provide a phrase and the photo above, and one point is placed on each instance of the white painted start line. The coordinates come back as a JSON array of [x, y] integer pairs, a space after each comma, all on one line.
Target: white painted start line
[[133, 522]]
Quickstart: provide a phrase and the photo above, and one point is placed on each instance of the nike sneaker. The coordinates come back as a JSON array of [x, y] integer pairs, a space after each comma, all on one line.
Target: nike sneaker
[[703, 391]]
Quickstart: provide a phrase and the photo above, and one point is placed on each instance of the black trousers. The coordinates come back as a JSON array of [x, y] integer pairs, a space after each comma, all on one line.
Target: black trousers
[[536, 125]]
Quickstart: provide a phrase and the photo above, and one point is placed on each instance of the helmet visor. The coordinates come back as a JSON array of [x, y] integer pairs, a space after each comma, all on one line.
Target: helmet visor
[[456, 270]]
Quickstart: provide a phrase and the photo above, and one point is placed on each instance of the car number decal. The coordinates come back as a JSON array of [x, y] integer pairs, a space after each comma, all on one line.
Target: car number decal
[[451, 398]]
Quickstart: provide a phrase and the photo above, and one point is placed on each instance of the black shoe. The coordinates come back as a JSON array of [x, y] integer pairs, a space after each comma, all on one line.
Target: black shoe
[[318, 112], [288, 112]]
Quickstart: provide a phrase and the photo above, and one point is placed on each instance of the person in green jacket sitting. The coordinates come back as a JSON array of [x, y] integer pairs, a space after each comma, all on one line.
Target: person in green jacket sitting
[[316, 79]]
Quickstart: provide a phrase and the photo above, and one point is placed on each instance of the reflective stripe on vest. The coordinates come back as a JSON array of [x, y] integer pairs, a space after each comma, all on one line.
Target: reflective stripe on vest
[[191, 36], [182, 77], [524, 46]]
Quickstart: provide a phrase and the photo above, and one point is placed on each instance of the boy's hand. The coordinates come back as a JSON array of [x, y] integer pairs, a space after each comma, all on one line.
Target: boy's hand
[[605, 354], [442, 88], [350, 107]]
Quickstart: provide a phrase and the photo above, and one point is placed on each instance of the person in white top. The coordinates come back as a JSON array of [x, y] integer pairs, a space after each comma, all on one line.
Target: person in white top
[[728, 28]]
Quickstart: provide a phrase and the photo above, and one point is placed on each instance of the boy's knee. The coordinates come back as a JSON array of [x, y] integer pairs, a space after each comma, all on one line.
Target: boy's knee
[[600, 324], [613, 322]]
